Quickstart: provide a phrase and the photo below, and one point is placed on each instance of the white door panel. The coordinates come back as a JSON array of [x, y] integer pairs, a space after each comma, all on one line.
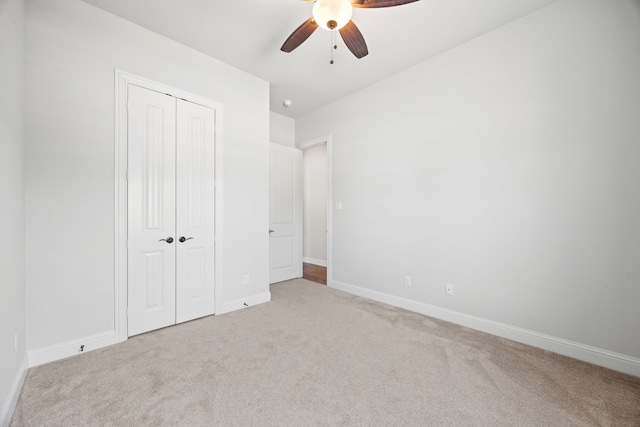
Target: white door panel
[[195, 198], [285, 206], [151, 135], [282, 252]]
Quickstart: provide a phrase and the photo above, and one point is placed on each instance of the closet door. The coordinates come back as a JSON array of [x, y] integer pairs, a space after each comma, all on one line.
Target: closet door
[[151, 210], [195, 198]]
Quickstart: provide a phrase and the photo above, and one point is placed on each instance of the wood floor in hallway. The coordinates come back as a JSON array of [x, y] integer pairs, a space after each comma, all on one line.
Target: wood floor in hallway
[[315, 273]]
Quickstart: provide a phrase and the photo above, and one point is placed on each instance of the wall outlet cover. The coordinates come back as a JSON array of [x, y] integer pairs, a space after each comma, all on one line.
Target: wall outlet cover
[[449, 289]]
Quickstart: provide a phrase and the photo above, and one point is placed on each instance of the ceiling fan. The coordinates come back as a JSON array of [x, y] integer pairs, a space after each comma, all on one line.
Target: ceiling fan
[[336, 15]]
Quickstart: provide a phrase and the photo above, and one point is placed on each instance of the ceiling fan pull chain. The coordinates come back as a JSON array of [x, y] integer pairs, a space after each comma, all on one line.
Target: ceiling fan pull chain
[[334, 45]]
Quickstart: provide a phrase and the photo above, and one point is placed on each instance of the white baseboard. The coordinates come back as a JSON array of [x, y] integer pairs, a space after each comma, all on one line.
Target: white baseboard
[[249, 301], [94, 342], [71, 348], [598, 356], [315, 261], [6, 411]]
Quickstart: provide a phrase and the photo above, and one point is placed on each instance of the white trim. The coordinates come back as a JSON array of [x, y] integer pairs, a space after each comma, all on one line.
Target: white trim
[[598, 356], [122, 80], [120, 217], [315, 261], [329, 140], [9, 406], [71, 348], [313, 142], [247, 302], [326, 139]]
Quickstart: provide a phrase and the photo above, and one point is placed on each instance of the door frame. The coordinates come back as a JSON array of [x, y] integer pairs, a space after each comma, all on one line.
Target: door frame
[[326, 139], [122, 81]]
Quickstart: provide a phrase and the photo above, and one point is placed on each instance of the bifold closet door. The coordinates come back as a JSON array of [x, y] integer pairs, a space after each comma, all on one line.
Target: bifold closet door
[[171, 193]]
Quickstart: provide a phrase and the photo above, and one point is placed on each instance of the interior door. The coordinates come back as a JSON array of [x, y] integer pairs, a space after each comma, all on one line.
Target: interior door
[[171, 212], [285, 207], [195, 199], [151, 245]]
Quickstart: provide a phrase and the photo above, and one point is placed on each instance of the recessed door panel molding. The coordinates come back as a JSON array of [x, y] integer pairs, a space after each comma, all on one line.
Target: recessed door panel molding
[[283, 180], [285, 207], [197, 155], [283, 256], [195, 278], [153, 156], [154, 290]]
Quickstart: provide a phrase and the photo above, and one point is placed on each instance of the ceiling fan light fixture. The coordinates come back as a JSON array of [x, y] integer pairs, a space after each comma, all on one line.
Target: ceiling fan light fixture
[[332, 14]]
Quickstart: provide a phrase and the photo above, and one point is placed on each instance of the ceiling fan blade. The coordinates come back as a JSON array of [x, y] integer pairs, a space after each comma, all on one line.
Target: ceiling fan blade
[[379, 3], [299, 35], [353, 39]]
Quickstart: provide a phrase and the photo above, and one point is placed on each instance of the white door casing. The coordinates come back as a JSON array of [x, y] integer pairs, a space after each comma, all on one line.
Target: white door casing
[[285, 213], [171, 197], [327, 139], [123, 80]]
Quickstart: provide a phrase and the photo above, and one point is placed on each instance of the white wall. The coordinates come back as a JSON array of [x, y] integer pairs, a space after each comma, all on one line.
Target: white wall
[[282, 129], [314, 178], [507, 166], [12, 263], [72, 50]]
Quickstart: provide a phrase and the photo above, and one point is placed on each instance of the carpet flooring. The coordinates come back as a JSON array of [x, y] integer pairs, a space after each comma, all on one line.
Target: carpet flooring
[[315, 356]]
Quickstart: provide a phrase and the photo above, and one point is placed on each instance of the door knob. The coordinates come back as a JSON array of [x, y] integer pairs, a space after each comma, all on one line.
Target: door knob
[[184, 239], [271, 231], [168, 240]]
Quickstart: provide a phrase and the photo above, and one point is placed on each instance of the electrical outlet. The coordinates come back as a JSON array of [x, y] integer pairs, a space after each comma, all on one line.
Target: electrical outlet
[[245, 279], [338, 206], [408, 281], [449, 289]]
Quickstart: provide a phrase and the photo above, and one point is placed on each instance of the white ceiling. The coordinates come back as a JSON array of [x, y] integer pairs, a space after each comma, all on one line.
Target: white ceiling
[[248, 34]]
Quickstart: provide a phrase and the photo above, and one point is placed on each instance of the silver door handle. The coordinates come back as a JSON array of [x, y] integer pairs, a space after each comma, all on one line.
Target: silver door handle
[[168, 240], [184, 239], [271, 231]]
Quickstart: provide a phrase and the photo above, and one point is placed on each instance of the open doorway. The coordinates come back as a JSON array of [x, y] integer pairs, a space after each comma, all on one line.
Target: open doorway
[[316, 196]]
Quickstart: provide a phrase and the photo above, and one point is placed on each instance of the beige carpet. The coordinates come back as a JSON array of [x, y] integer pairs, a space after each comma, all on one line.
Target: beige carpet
[[317, 356]]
